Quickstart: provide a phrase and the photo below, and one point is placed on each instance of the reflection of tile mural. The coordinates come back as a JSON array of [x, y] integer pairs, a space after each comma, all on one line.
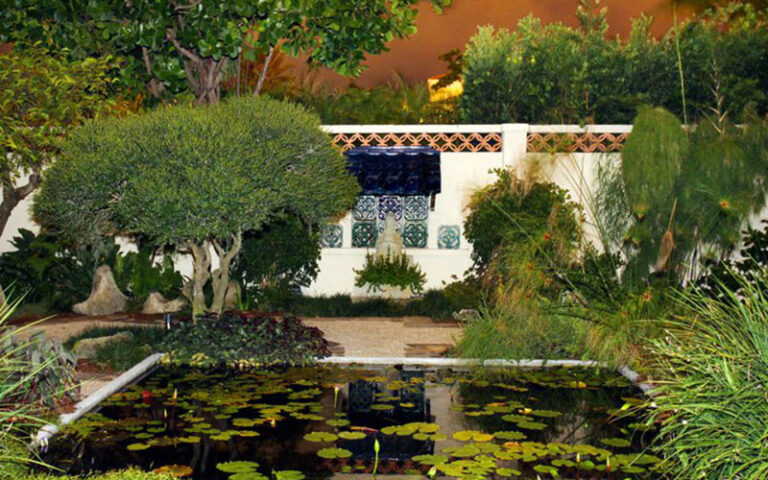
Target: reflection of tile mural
[[449, 237], [364, 234], [331, 236], [415, 235]]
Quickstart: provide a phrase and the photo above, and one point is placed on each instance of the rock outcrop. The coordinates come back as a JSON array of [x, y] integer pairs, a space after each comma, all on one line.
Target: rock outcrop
[[157, 303], [105, 298]]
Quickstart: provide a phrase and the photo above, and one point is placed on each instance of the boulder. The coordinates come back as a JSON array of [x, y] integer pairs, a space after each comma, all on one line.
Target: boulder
[[157, 303], [105, 298], [87, 347]]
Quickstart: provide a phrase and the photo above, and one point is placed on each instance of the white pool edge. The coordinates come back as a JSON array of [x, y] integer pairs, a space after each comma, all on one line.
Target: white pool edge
[[92, 401]]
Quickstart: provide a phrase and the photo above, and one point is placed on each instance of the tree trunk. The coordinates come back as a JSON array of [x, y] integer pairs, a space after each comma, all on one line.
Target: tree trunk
[[13, 195], [200, 276], [221, 276]]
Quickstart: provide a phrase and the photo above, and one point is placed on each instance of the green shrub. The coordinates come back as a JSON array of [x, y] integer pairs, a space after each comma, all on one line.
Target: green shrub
[[711, 367], [129, 474], [124, 354], [278, 258], [50, 272], [501, 332], [244, 339], [559, 74], [389, 271]]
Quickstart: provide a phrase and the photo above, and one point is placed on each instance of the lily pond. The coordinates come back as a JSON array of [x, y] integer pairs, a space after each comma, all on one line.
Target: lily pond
[[324, 422]]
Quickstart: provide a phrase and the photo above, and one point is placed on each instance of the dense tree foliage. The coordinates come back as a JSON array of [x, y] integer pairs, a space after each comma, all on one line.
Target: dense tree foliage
[[184, 45], [197, 178], [42, 95]]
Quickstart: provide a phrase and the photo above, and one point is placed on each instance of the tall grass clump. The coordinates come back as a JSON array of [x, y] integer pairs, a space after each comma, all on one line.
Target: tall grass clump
[[712, 406]]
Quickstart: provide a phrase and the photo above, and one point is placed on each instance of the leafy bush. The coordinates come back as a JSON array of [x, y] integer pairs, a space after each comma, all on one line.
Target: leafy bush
[[278, 258], [397, 103], [244, 339], [712, 368], [509, 215], [45, 375], [500, 332], [381, 271], [559, 74], [436, 304], [122, 355], [732, 272], [130, 474], [47, 270]]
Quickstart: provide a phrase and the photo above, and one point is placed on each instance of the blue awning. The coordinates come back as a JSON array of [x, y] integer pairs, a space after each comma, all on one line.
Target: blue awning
[[396, 170]]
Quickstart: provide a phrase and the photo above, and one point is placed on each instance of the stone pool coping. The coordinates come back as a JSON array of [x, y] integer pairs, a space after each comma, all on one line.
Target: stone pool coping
[[140, 369]]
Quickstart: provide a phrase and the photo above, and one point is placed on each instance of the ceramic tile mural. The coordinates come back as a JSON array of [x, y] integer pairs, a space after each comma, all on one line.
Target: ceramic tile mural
[[449, 237], [415, 235], [390, 204], [366, 208], [331, 236], [364, 234], [416, 208]]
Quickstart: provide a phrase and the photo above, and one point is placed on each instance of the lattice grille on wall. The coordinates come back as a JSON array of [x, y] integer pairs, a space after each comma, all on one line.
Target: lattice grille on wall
[[576, 142], [444, 142]]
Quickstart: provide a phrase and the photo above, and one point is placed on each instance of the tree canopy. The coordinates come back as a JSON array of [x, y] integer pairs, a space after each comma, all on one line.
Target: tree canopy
[[175, 45], [42, 95], [197, 178]]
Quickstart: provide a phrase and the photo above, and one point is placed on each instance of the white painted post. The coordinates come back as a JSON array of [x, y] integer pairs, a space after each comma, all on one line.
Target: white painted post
[[514, 143]]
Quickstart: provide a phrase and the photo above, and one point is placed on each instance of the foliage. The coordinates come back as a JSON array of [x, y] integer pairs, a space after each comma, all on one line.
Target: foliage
[[49, 272], [122, 355], [500, 332], [390, 271], [43, 96], [173, 46], [685, 198], [281, 256], [712, 368], [35, 375], [130, 474], [395, 103], [245, 339], [559, 74], [436, 304], [510, 213], [732, 272], [196, 178], [138, 274]]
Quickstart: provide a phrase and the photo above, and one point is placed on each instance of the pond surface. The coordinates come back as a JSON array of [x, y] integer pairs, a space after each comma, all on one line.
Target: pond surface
[[324, 422]]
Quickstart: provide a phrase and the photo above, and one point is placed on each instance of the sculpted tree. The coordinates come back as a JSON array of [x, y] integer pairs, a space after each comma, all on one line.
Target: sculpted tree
[[196, 178]]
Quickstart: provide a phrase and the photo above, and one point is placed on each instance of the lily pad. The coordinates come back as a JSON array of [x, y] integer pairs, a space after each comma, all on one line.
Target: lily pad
[[508, 472], [339, 422], [178, 471], [474, 435], [331, 453], [248, 476], [430, 459], [321, 437], [135, 447], [352, 435], [237, 466], [289, 475], [616, 442]]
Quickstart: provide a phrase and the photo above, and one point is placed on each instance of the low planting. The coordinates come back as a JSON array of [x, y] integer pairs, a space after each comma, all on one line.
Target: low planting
[[121, 355], [244, 339], [380, 272]]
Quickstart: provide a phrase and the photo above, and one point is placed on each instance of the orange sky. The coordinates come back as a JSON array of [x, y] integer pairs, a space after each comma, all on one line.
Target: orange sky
[[416, 57]]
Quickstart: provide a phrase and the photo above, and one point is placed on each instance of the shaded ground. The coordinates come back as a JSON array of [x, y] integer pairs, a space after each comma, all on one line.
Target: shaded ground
[[352, 337]]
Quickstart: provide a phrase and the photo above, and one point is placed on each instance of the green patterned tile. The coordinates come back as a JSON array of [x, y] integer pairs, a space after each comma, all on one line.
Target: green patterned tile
[[415, 235], [449, 237], [332, 236], [364, 234]]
